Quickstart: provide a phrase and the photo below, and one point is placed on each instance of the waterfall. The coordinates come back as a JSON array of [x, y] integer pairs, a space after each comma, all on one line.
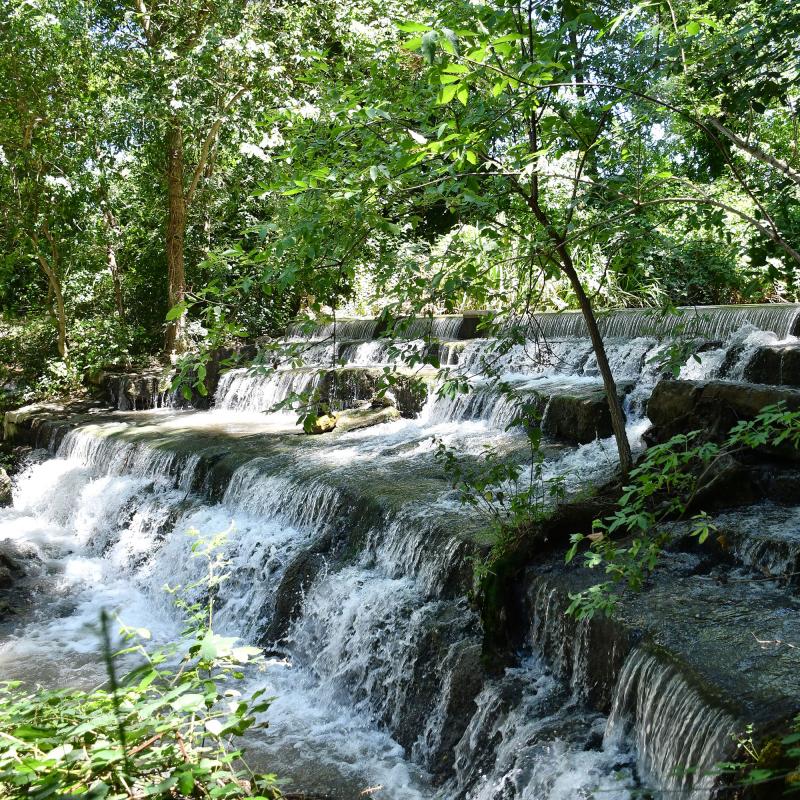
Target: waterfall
[[430, 327], [255, 390], [350, 560], [765, 538], [543, 744], [702, 322], [679, 735], [343, 330]]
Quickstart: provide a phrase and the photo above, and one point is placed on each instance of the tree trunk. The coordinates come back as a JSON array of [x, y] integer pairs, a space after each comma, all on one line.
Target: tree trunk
[[614, 403], [564, 261], [56, 293], [176, 234], [54, 290], [111, 260]]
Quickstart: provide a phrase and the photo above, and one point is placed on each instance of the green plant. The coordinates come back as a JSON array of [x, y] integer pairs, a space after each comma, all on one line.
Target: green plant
[[766, 766], [664, 487], [509, 494], [165, 729]]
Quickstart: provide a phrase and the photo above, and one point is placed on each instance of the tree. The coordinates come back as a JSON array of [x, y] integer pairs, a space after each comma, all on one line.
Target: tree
[[186, 68], [50, 116]]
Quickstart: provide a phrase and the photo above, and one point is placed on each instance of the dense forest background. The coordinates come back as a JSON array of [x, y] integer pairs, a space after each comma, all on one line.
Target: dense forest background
[[174, 175]]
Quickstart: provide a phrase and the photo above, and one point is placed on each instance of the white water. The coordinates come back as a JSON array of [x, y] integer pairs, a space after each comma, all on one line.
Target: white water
[[550, 744], [705, 322], [679, 736], [373, 661]]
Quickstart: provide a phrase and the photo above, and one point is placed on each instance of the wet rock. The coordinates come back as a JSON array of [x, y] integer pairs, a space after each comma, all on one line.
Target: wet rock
[[44, 424], [357, 418], [5, 489], [689, 660], [298, 576], [727, 482], [19, 564], [138, 392], [775, 364], [587, 655], [439, 688], [464, 668], [350, 387], [713, 406], [580, 417], [470, 326], [411, 395]]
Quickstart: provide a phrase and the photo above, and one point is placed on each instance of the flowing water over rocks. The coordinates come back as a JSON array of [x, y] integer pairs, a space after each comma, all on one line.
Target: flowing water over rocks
[[350, 563]]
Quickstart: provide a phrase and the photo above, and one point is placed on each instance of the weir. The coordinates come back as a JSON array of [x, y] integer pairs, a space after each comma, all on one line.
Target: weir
[[351, 561], [707, 322]]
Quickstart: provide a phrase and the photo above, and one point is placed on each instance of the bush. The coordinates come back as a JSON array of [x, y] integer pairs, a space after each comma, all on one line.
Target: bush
[[164, 730]]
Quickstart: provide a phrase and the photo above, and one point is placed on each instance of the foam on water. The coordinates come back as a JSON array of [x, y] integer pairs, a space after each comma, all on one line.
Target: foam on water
[[380, 655], [548, 745]]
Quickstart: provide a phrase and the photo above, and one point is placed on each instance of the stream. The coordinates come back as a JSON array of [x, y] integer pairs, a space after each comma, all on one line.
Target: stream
[[349, 556]]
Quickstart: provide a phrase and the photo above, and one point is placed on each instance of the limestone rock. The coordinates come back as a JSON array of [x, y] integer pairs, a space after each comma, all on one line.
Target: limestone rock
[[580, 417], [299, 575], [19, 566], [349, 387], [357, 418], [712, 406], [776, 364], [5, 489], [324, 423]]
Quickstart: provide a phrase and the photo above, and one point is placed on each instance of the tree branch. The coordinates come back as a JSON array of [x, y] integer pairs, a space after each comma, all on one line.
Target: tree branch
[[208, 143], [145, 15], [755, 151]]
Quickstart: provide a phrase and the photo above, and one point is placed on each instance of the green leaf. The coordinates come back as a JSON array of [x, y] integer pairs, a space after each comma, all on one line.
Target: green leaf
[[412, 27], [188, 702], [178, 310], [428, 45], [447, 94], [31, 733], [186, 783]]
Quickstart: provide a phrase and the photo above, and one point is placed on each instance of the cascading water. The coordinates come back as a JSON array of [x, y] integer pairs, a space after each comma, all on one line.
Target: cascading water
[[341, 329], [250, 390], [704, 322], [349, 562], [680, 737]]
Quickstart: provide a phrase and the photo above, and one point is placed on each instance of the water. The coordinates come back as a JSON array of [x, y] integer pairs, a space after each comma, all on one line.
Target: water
[[706, 322], [549, 744], [349, 562], [685, 736], [441, 327], [341, 329]]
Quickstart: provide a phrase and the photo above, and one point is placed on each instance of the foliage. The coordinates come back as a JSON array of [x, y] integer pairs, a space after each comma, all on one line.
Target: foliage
[[767, 766], [387, 156], [164, 729], [663, 488], [509, 494]]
